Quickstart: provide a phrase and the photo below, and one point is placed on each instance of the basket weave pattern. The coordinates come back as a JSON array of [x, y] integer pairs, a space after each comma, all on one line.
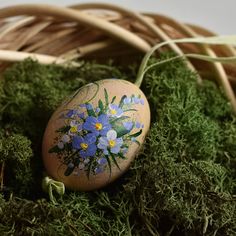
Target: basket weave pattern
[[50, 33]]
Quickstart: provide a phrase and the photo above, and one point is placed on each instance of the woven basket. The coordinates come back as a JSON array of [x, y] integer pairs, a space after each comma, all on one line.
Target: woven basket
[[50, 33]]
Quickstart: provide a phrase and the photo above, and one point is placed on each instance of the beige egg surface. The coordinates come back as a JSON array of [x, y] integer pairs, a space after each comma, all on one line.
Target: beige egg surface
[[94, 136]]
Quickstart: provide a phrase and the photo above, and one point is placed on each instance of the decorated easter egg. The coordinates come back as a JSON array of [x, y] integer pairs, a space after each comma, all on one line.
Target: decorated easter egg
[[93, 137]]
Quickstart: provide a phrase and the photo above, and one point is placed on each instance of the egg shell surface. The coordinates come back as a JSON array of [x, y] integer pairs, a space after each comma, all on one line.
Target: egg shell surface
[[93, 137]]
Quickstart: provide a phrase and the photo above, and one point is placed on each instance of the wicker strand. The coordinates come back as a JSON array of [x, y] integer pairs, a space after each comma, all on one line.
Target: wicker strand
[[81, 17], [29, 33], [15, 25], [50, 39], [13, 56], [139, 17]]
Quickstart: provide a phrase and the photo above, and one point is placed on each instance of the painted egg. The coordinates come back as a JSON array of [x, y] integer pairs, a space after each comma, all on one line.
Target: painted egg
[[93, 137]]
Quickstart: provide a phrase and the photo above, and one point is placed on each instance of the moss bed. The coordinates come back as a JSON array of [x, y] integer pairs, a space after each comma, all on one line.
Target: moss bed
[[182, 183]]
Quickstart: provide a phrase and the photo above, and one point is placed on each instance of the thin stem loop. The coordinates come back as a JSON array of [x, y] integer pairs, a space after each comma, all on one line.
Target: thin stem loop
[[49, 185], [215, 40]]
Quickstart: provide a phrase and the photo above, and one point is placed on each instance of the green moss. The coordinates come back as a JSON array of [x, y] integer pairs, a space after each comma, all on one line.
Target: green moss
[[75, 216], [16, 153], [38, 90], [213, 104], [182, 183]]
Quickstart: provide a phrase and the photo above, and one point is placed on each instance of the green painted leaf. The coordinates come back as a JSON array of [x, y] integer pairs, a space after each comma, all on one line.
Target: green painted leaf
[[136, 141], [121, 155], [130, 110], [70, 157], [76, 161], [122, 101], [113, 99], [55, 149], [120, 130], [119, 119], [114, 160], [69, 171], [106, 97], [68, 147], [63, 129], [109, 163], [90, 111], [100, 105], [136, 134], [90, 167]]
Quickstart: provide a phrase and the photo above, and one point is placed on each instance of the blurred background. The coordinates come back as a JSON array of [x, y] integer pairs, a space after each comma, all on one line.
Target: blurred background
[[218, 16]]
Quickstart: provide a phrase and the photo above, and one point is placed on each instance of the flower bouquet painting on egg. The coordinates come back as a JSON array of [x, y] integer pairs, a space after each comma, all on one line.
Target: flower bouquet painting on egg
[[94, 138]]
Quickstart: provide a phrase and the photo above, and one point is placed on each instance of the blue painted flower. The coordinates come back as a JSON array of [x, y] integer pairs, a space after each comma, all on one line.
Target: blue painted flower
[[65, 138], [97, 110], [74, 113], [71, 165], [114, 110], [86, 145], [135, 99], [75, 127], [128, 125], [101, 165], [98, 170], [138, 125], [71, 113], [89, 106], [86, 160], [98, 126], [81, 115], [133, 139], [82, 105], [124, 150], [102, 161], [110, 142], [60, 145], [81, 165], [127, 100]]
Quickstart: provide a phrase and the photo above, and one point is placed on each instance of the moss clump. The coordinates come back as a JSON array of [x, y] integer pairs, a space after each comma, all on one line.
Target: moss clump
[[74, 216], [182, 183], [37, 90], [16, 152]]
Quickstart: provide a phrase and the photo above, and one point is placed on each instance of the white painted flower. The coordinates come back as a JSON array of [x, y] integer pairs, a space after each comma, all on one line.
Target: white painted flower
[[65, 138], [60, 145], [110, 143]]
